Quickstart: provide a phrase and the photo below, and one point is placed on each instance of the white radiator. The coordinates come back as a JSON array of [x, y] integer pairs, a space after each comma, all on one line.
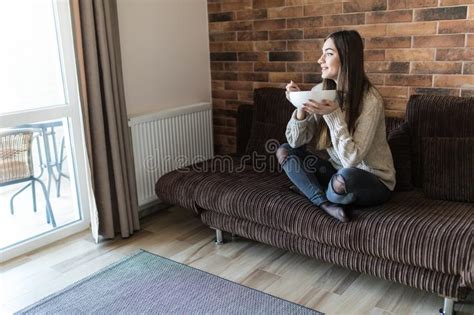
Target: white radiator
[[167, 140]]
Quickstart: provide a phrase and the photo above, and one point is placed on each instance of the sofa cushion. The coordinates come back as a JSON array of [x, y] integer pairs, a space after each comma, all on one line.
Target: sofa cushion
[[399, 142], [409, 229], [177, 187], [448, 168]]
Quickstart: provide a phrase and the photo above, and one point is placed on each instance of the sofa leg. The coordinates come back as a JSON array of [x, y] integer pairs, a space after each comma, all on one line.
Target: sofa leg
[[219, 238], [448, 308]]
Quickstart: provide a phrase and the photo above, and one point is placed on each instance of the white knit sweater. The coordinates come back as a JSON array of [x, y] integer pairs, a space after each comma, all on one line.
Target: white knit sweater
[[366, 148]]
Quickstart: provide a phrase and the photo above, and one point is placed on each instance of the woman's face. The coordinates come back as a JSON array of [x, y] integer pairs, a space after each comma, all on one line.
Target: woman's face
[[329, 61]]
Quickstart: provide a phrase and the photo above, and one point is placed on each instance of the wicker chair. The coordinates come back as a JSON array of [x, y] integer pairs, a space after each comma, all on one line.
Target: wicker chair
[[16, 166]]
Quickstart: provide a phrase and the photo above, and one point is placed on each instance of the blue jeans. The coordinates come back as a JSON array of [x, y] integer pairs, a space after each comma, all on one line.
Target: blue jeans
[[314, 177]]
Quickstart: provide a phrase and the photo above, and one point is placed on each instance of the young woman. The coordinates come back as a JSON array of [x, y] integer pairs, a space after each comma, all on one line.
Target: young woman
[[351, 129]]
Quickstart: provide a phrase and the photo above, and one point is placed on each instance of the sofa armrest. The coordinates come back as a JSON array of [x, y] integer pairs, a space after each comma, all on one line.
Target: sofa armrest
[[399, 142], [244, 126]]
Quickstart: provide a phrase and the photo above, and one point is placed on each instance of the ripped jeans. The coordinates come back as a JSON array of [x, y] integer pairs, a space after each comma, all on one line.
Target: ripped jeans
[[320, 182]]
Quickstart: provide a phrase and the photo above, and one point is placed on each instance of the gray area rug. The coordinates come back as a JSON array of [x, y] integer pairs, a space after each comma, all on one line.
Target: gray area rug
[[145, 283]]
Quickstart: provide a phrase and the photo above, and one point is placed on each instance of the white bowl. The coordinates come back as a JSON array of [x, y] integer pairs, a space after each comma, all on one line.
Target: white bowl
[[301, 97]]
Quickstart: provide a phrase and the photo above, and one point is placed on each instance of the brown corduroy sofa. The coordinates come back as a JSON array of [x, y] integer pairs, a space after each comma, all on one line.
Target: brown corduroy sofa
[[421, 238]]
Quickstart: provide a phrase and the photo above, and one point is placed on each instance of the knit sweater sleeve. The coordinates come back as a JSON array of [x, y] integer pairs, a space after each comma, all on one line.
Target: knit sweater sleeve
[[300, 132], [352, 149]]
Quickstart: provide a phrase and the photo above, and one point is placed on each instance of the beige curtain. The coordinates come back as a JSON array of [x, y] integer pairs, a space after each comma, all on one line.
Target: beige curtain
[[105, 117]]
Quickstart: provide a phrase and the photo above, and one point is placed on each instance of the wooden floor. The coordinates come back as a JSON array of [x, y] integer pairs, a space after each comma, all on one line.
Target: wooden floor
[[176, 234]]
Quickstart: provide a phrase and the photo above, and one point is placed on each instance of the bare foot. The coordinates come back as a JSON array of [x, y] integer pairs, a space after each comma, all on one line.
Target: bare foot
[[335, 211]]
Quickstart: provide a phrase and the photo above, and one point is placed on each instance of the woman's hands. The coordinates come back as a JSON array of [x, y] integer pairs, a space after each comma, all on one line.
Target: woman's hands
[[323, 108], [292, 87]]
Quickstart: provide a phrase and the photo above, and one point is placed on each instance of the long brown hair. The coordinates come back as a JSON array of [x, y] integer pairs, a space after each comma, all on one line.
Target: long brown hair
[[352, 80]]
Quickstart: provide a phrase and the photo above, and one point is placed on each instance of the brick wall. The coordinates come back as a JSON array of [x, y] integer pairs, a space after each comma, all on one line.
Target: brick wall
[[412, 47]]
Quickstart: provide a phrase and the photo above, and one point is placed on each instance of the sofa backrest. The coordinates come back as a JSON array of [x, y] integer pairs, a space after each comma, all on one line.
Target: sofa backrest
[[431, 117], [270, 114]]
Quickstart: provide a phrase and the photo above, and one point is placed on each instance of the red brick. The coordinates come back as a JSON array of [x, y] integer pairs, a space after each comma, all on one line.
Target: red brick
[[459, 81], [371, 30], [303, 67], [374, 55], [299, 45], [223, 56], [313, 21], [216, 47], [387, 67], [270, 46], [286, 56], [434, 14], [455, 54], [345, 19], [246, 96], [238, 46], [313, 78], [217, 66], [312, 55], [229, 76], [388, 42], [234, 5], [269, 25], [410, 54], [408, 80], [285, 12], [251, 14], [320, 32], [286, 34], [261, 35], [470, 40], [395, 113], [253, 56], [409, 4], [224, 94], [230, 26], [376, 78], [258, 85], [221, 16], [396, 104], [213, 7], [285, 77], [454, 2], [323, 9], [420, 28], [217, 85], [222, 36], [251, 76], [393, 91], [270, 67], [437, 41], [433, 67], [238, 66], [295, 2], [468, 68], [259, 4], [365, 5], [389, 17], [461, 26], [238, 85]]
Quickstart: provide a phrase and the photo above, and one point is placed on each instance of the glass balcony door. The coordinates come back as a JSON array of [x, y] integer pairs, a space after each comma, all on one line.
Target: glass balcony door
[[40, 103]]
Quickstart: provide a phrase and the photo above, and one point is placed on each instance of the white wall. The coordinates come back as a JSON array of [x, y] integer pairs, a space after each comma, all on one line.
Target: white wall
[[165, 53]]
